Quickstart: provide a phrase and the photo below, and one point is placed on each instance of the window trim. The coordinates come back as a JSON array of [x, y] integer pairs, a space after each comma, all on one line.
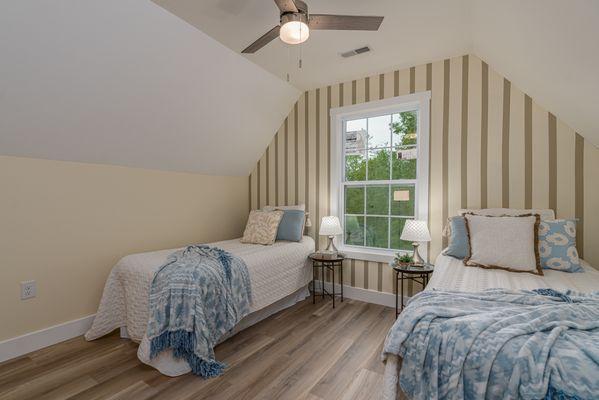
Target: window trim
[[421, 101]]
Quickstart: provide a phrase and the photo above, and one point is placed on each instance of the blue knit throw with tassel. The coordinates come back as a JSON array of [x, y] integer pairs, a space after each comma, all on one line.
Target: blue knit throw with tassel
[[197, 296]]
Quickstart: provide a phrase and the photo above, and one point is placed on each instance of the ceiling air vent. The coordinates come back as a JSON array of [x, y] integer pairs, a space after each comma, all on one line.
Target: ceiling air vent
[[355, 52]]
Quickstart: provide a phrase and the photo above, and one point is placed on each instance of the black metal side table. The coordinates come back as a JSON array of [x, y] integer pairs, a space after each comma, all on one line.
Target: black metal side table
[[416, 273], [326, 262]]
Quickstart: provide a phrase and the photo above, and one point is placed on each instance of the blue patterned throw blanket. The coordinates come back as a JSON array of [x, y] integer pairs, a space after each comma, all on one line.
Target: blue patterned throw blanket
[[197, 296], [498, 344]]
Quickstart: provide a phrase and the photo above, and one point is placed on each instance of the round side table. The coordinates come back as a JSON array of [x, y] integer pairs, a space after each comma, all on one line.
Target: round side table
[[326, 262], [416, 273]]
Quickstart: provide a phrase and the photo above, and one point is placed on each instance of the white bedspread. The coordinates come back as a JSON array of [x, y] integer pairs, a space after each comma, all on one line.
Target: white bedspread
[[451, 274], [276, 271]]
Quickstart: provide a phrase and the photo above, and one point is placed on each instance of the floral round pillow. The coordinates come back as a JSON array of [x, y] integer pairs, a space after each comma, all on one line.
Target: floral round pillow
[[557, 245]]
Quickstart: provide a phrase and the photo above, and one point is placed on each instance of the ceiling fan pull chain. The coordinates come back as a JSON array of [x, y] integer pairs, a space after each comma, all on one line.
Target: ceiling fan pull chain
[[288, 62], [300, 55]]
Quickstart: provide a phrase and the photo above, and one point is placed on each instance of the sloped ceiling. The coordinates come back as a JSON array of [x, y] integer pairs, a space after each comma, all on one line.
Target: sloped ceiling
[[549, 49], [413, 32], [128, 83]]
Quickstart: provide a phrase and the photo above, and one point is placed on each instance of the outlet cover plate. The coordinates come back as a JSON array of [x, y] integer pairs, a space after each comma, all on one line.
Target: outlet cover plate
[[28, 290]]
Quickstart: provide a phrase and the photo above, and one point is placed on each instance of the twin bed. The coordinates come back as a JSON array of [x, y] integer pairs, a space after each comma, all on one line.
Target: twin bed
[[454, 279], [472, 333], [279, 277]]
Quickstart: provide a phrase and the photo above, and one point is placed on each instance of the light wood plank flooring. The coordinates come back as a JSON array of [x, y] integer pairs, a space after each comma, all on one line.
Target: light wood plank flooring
[[308, 352]]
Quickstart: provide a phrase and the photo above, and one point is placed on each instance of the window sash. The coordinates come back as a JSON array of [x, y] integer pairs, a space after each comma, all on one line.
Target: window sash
[[372, 183], [419, 102], [389, 216]]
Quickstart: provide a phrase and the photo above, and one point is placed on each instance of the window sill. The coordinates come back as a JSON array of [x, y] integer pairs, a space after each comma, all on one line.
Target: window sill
[[385, 256]]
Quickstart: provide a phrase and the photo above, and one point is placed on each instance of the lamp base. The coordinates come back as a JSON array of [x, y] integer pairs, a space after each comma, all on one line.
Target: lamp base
[[331, 246], [417, 260]]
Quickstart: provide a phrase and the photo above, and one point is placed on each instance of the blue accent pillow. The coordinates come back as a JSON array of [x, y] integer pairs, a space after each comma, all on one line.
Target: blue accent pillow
[[557, 245], [458, 240], [291, 227]]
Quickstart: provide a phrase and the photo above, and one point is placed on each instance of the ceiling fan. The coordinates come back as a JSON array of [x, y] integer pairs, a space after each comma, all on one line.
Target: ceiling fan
[[296, 24]]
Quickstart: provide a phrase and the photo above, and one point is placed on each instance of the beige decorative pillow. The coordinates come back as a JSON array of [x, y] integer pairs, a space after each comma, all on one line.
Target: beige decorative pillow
[[545, 214], [262, 227], [509, 243]]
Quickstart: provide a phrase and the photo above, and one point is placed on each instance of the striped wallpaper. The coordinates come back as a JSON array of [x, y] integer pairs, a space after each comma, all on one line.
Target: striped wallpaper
[[491, 146]]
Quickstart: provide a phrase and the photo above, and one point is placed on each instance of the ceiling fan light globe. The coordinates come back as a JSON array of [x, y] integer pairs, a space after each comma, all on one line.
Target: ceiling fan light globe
[[294, 32]]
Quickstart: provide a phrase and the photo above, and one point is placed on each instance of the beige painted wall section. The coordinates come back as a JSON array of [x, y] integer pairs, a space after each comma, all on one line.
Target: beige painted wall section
[[66, 224], [491, 145]]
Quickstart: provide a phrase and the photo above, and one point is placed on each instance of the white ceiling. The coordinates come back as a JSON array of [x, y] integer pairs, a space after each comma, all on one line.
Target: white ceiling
[[547, 48], [413, 32], [128, 83]]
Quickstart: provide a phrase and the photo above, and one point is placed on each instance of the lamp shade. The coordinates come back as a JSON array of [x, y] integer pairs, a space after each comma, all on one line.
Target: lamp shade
[[330, 226], [415, 231], [294, 29]]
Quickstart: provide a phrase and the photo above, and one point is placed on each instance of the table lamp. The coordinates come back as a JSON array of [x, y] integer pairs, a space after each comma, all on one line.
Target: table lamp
[[330, 226], [416, 231]]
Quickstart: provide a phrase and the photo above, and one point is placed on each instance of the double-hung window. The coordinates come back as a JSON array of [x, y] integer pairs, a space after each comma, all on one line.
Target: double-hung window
[[380, 172]]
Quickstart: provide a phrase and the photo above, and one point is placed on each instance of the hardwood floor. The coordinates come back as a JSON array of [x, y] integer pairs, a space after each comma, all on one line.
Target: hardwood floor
[[308, 352]]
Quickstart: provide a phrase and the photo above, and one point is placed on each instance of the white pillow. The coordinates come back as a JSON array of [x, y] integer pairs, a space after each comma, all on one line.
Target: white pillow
[[509, 243], [546, 214]]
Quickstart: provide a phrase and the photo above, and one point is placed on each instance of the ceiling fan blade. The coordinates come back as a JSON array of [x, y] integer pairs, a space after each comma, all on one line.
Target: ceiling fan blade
[[263, 40], [286, 6], [345, 22]]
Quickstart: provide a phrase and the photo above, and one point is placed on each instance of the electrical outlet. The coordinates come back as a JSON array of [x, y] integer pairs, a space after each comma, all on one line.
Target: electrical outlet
[[28, 290]]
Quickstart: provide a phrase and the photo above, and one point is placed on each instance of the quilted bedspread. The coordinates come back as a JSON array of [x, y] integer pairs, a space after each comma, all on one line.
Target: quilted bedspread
[[498, 344], [275, 271]]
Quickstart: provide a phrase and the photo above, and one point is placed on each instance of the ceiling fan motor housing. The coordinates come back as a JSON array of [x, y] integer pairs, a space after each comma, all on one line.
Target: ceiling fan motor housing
[[289, 17], [301, 6]]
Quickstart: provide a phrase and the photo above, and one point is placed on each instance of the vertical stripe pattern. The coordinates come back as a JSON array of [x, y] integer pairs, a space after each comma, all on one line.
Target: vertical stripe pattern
[[464, 136], [484, 135], [527, 152], [445, 154], [490, 145], [505, 145], [552, 122], [579, 192]]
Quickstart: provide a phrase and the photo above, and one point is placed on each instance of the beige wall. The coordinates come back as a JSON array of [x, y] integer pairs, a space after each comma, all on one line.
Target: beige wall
[[491, 146], [66, 224]]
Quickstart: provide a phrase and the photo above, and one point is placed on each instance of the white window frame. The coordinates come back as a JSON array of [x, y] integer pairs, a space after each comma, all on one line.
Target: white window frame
[[419, 101]]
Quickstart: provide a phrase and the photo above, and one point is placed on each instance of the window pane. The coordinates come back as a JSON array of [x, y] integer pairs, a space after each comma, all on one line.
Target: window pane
[[404, 163], [355, 135], [377, 200], [377, 232], [379, 132], [354, 230], [355, 125], [396, 228], [405, 128], [355, 166], [378, 164], [354, 200], [405, 205]]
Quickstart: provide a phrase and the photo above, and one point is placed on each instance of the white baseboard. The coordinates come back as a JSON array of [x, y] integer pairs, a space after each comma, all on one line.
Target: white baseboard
[[366, 295], [20, 345]]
